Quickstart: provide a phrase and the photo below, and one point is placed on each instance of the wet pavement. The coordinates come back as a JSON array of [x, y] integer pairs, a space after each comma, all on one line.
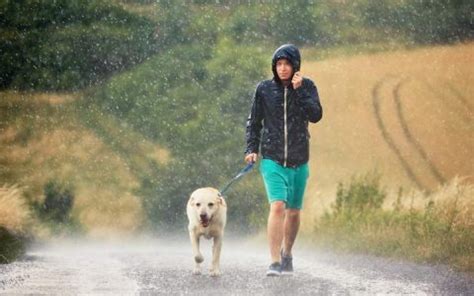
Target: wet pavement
[[164, 267]]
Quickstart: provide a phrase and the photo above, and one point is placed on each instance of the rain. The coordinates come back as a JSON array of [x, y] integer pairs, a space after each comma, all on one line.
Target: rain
[[112, 113]]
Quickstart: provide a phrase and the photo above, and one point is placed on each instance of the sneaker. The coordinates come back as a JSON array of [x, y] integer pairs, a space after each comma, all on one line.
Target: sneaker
[[274, 269], [286, 264]]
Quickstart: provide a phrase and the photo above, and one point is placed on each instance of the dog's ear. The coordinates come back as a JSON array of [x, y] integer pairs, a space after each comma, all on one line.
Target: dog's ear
[[221, 201], [191, 201]]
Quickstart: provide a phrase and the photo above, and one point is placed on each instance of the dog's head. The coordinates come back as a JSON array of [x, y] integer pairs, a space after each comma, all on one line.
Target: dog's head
[[206, 202]]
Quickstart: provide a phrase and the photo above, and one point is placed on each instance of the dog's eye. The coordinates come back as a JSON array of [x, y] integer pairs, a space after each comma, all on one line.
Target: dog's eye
[[198, 205], [210, 204]]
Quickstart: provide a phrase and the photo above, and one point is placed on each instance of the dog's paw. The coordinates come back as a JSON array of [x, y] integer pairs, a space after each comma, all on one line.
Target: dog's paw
[[199, 258], [215, 272], [196, 271]]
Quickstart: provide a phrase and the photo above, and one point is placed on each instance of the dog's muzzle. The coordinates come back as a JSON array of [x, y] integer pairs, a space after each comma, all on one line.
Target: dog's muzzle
[[204, 220]]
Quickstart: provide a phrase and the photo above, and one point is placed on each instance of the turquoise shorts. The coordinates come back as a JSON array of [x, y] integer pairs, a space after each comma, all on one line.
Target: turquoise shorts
[[284, 184]]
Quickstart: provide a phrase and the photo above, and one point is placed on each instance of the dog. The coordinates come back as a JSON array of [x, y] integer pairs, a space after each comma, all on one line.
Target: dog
[[207, 214]]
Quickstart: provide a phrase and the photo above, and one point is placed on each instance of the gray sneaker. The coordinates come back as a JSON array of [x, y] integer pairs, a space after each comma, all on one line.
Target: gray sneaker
[[286, 264], [274, 269]]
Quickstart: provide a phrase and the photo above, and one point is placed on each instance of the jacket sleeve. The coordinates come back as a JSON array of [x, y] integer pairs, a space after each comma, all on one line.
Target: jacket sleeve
[[254, 124], [308, 100]]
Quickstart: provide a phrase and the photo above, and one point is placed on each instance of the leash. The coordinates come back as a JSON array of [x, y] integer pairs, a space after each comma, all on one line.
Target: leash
[[238, 176]]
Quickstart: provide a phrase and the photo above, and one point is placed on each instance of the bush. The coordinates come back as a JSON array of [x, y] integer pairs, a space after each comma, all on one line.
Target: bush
[[421, 21], [68, 45], [295, 22], [209, 92], [436, 233], [363, 194], [15, 221], [58, 203], [249, 24], [11, 246]]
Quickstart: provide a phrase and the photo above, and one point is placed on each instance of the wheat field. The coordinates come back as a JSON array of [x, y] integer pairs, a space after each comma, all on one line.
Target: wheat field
[[407, 115]]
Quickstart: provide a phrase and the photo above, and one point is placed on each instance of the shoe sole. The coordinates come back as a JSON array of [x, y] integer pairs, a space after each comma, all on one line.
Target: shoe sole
[[287, 273], [273, 273]]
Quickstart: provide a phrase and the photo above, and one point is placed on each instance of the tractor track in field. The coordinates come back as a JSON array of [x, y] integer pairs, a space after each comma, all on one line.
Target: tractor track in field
[[409, 136], [390, 139], [460, 97], [386, 135], [467, 113]]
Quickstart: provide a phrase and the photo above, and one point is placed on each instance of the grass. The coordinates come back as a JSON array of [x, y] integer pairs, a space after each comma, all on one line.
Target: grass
[[323, 53], [14, 223], [433, 86], [442, 231], [14, 213], [44, 138]]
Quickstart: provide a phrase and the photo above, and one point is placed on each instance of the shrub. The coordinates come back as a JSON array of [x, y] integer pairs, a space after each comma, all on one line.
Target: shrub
[[442, 232], [14, 223], [68, 45], [11, 246], [209, 91], [58, 203], [363, 194]]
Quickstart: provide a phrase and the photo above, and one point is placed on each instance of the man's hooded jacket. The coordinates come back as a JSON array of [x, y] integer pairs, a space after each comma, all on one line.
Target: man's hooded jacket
[[283, 113]]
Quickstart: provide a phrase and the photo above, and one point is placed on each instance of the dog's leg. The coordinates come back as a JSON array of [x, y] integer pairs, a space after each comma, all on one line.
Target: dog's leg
[[198, 258], [216, 254]]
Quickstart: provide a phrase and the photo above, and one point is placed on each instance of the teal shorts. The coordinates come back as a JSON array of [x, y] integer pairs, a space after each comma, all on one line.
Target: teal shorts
[[284, 184]]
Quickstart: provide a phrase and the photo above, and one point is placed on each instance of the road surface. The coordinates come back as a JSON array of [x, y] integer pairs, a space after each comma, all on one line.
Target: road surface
[[164, 267]]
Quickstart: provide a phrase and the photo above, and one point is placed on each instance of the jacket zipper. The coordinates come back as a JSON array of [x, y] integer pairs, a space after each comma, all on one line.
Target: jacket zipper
[[286, 127]]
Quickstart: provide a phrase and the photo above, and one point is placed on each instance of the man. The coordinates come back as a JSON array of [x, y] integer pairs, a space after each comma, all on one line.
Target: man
[[282, 107]]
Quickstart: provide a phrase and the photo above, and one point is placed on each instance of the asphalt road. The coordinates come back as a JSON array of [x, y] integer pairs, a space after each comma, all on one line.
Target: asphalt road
[[164, 267]]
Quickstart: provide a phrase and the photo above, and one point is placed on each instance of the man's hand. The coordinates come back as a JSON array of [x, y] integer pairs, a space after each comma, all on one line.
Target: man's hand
[[251, 157], [297, 80]]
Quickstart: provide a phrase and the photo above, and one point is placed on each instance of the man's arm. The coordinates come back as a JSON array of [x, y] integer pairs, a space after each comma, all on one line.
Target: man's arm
[[254, 125], [308, 100]]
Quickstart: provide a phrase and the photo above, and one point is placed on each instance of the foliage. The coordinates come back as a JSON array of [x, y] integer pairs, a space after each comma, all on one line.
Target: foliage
[[58, 202], [442, 21], [295, 22], [59, 45], [209, 97], [362, 195], [434, 234], [11, 245], [15, 222], [70, 45], [183, 77], [55, 210]]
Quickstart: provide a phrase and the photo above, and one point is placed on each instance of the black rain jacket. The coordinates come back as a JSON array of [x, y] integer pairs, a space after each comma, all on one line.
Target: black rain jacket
[[285, 139]]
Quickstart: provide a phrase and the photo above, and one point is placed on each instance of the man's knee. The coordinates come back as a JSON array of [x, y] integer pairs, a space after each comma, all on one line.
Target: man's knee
[[293, 214], [278, 207]]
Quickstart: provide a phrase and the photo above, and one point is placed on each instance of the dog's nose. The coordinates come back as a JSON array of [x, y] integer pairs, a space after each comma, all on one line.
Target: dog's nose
[[203, 216]]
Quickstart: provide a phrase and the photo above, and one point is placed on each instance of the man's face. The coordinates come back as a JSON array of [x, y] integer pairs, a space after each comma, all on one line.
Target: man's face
[[284, 69]]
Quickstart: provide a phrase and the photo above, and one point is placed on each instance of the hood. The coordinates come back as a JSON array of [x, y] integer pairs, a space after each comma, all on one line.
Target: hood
[[289, 52]]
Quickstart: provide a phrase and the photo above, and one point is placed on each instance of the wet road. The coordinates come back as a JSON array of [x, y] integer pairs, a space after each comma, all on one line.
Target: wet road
[[163, 267]]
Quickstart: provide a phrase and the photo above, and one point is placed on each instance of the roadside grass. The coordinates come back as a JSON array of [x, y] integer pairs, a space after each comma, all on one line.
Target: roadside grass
[[440, 232], [14, 220], [43, 139]]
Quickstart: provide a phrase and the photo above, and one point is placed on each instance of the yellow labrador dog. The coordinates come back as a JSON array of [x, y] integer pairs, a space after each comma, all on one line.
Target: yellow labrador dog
[[207, 214]]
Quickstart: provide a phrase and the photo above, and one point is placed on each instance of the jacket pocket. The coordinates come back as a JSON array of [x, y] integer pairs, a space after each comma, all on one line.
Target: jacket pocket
[[270, 141]]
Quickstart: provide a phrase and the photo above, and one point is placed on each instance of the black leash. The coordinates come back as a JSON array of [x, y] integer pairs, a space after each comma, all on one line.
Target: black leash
[[238, 176]]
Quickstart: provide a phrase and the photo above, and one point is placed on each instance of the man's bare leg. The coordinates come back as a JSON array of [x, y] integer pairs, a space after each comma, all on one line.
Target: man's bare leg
[[275, 229], [291, 227]]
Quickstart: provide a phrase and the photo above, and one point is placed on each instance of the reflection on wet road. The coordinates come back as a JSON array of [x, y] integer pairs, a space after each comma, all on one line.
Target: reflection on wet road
[[164, 267]]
